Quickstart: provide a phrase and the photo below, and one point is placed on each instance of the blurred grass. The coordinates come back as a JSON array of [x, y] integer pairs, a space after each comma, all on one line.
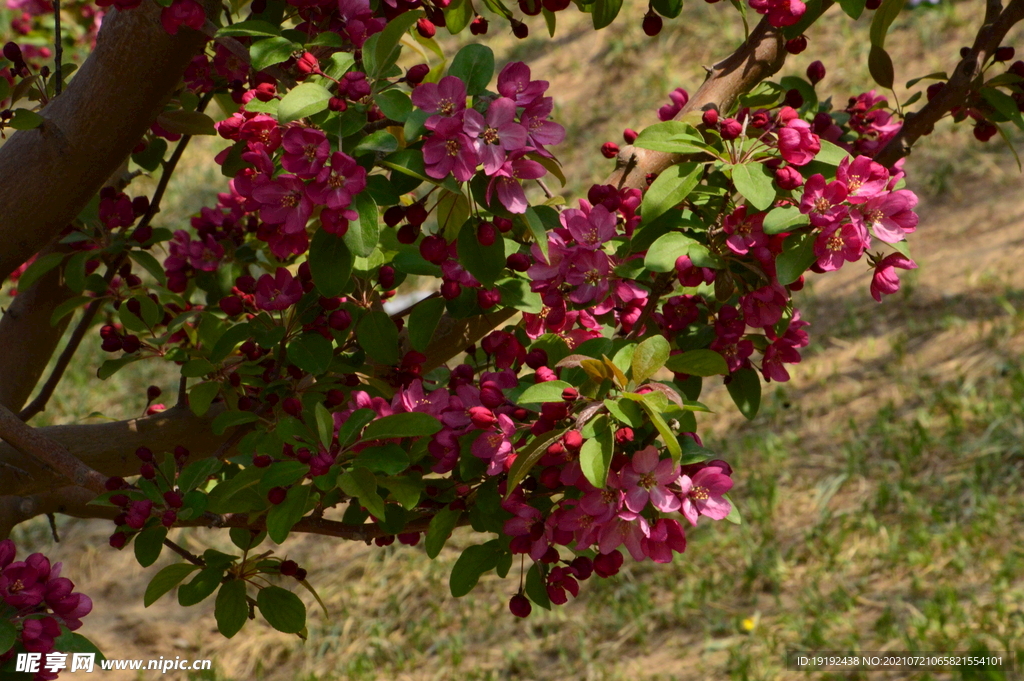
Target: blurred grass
[[880, 489]]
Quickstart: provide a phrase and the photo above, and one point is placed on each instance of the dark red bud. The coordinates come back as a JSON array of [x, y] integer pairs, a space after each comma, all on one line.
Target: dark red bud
[[629, 135], [570, 394], [450, 290], [386, 277], [169, 517], [518, 262], [173, 499], [232, 305], [337, 104], [815, 72], [519, 29], [486, 233], [416, 214], [425, 27], [520, 606], [277, 495], [118, 540], [477, 27], [145, 454], [339, 320], [710, 118], [307, 63], [292, 406], [114, 483], [147, 471], [407, 234], [731, 129], [289, 568], [609, 150], [652, 24], [1004, 53], [262, 460], [416, 74], [394, 215], [796, 45], [434, 249]]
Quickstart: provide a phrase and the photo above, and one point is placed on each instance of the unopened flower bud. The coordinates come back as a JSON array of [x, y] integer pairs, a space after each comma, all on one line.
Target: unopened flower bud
[[731, 129], [416, 214], [386, 277], [710, 118], [520, 30], [1004, 53], [307, 64], [339, 320], [337, 104], [292, 406], [434, 249], [277, 495], [652, 24], [629, 135], [478, 27], [416, 74], [520, 606], [609, 150], [487, 298], [407, 234], [450, 290], [796, 45], [815, 72], [570, 394], [425, 27], [486, 233], [984, 131], [289, 568], [173, 499], [788, 178]]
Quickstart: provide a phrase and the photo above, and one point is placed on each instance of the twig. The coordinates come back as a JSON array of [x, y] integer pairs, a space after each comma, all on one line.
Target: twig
[[661, 284], [544, 187], [184, 553], [58, 50], [54, 455], [182, 392]]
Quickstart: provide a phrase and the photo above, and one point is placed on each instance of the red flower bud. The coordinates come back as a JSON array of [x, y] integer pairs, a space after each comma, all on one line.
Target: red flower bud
[[277, 495], [409, 538], [119, 499], [450, 290], [339, 320], [520, 606], [130, 344], [434, 249], [262, 460], [519, 29], [815, 72], [1004, 53], [416, 214], [307, 64], [607, 564], [796, 45], [115, 482], [232, 305], [292, 406], [386, 277], [710, 118], [794, 99], [169, 517], [872, 4], [984, 131], [788, 178], [535, 359], [173, 499], [504, 225], [425, 27], [394, 215], [289, 568], [486, 233], [731, 129], [300, 574], [482, 417], [407, 234], [145, 454], [518, 262], [477, 27], [487, 298], [624, 435], [337, 104], [416, 74], [629, 135], [570, 394], [118, 540], [652, 24], [573, 440], [147, 471], [609, 150]]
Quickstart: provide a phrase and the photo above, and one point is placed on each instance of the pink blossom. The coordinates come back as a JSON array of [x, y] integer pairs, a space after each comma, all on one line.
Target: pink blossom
[[284, 202], [647, 477], [780, 12], [495, 134], [337, 184], [745, 232], [38, 634], [261, 130], [590, 231], [823, 203], [588, 272], [279, 291], [205, 255], [626, 528], [495, 445], [702, 494], [885, 281], [864, 178], [506, 181], [775, 355], [514, 82], [837, 244], [764, 306], [666, 536], [678, 99], [445, 99], [889, 216], [450, 150], [305, 151], [182, 13], [797, 144], [541, 131]]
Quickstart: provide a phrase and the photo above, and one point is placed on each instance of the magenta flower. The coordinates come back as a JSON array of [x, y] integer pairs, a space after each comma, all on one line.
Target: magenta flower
[[279, 291], [495, 445], [775, 355], [590, 231], [550, 272], [305, 151], [182, 13], [541, 131], [823, 202], [205, 255], [38, 634], [764, 306], [337, 184], [647, 477], [797, 144], [885, 281], [495, 134], [284, 202], [514, 82], [450, 150], [837, 244], [745, 232], [626, 528], [589, 272], [22, 585], [506, 181], [889, 216], [263, 130], [780, 12], [864, 178], [7, 552], [666, 536], [445, 99], [702, 494]]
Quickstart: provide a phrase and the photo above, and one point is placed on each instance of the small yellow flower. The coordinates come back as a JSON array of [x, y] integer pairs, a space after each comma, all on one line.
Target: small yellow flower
[[748, 624]]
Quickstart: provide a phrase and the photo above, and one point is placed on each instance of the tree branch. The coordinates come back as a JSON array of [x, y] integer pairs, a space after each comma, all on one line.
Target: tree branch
[[89, 130], [954, 93], [72, 501]]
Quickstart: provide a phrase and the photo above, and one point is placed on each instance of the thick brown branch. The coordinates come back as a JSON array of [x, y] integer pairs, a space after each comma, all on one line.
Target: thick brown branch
[[89, 130], [955, 91], [53, 455], [72, 501]]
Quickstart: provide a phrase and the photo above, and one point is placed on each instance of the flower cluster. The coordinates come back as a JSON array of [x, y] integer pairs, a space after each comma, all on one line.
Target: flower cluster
[[38, 602], [514, 126]]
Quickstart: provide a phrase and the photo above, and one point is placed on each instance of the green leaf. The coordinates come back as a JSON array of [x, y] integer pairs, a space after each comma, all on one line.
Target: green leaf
[[882, 20], [423, 321], [880, 66], [112, 366], [754, 182], [201, 586], [283, 516], [486, 263], [698, 363], [596, 458], [324, 425], [149, 543], [351, 426], [528, 456], [304, 100], [394, 104], [362, 236], [362, 484], [38, 268], [663, 253], [515, 292], [1004, 104], [150, 264], [282, 609], [648, 357], [745, 389], [339, 64], [255, 28], [186, 122], [379, 140], [797, 255], [458, 15], [474, 64], [408, 424], [452, 213], [196, 473], [229, 340], [230, 419], [388, 45], [675, 137], [536, 226], [8, 634], [387, 459], [784, 219], [68, 307], [330, 263], [25, 120], [669, 9], [937, 75], [669, 189], [536, 588], [201, 396], [548, 391], [853, 8], [646, 403], [440, 528], [312, 353], [734, 512], [605, 11], [231, 608], [378, 336], [471, 565], [281, 474], [270, 51], [830, 154]]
